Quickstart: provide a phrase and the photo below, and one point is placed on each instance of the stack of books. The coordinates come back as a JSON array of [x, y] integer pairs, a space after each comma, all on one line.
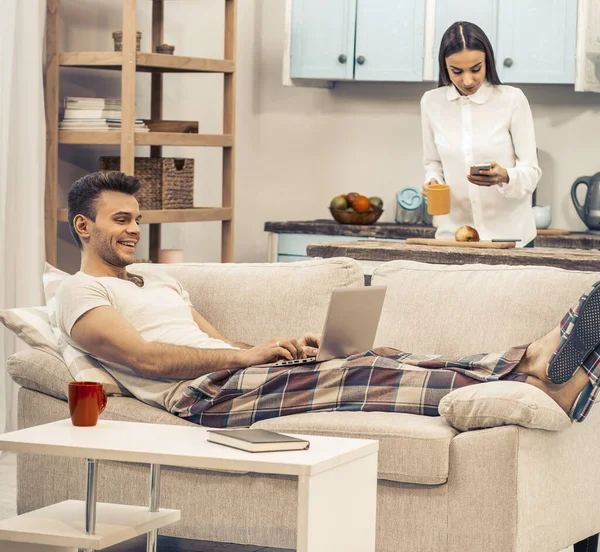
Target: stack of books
[[94, 114]]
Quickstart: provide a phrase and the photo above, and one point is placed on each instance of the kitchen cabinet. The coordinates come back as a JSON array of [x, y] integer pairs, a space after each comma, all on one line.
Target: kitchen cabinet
[[388, 35], [587, 70], [322, 42], [537, 41], [534, 40], [389, 40]]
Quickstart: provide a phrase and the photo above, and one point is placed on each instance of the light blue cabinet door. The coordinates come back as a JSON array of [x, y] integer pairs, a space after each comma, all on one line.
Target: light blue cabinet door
[[536, 41], [323, 32], [483, 13], [389, 40]]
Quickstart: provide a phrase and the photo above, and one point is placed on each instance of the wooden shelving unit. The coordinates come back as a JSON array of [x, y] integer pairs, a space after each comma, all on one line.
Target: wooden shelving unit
[[129, 62]]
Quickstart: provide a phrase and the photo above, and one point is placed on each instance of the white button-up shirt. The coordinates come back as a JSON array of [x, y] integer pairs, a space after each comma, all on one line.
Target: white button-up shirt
[[494, 124]]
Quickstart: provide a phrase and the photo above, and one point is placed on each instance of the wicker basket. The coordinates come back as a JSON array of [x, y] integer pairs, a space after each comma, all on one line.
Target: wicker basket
[[165, 49], [118, 39], [167, 183]]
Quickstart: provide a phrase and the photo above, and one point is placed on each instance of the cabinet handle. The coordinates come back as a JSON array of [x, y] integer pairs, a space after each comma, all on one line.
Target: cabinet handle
[[343, 58], [508, 62], [361, 60]]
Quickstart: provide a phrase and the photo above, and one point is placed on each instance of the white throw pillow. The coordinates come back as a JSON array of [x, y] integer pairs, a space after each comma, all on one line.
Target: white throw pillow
[[500, 403], [81, 366], [32, 325]]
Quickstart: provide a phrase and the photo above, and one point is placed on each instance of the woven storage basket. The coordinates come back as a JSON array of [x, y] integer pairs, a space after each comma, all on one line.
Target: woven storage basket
[[167, 183]]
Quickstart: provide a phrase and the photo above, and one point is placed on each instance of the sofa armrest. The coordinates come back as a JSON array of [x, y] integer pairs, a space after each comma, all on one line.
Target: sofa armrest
[[542, 487], [558, 485], [483, 471], [40, 371]]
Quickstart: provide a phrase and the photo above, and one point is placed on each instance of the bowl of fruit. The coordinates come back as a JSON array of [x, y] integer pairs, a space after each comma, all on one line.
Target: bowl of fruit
[[355, 208]]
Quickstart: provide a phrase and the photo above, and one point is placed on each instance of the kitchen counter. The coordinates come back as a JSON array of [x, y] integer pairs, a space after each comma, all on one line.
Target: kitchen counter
[[391, 230], [376, 250]]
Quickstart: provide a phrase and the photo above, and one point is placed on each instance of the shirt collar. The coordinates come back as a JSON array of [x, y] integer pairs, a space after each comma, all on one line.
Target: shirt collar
[[480, 97]]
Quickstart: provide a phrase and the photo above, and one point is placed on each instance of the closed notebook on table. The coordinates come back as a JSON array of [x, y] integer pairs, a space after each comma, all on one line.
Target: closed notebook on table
[[256, 440]]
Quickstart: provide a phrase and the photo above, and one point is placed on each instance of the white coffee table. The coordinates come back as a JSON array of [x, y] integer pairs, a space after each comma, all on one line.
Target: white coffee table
[[337, 485]]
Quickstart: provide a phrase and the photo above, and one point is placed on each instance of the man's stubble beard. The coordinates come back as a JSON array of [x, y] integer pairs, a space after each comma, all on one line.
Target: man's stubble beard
[[105, 251]]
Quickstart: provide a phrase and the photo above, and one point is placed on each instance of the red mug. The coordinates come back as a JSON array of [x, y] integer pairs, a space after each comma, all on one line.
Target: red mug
[[87, 400]]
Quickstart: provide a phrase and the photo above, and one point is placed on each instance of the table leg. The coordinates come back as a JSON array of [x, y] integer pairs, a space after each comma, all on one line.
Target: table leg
[[337, 508], [152, 537], [90, 497]]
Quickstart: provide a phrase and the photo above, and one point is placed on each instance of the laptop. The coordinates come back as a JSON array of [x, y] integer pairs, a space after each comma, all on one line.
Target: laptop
[[350, 325]]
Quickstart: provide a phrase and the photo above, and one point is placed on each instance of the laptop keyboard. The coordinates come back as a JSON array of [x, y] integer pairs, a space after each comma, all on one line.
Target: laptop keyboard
[[296, 361]]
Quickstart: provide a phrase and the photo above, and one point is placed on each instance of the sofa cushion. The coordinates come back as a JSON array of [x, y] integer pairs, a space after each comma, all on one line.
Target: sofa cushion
[[502, 403], [40, 371], [469, 309], [412, 448], [253, 302]]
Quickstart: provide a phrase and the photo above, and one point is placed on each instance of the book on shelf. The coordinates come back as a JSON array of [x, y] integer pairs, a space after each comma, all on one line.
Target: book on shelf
[[98, 124], [95, 114], [71, 102], [72, 113], [256, 440], [85, 122]]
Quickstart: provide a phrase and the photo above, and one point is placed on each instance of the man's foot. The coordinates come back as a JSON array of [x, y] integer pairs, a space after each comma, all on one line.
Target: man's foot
[[538, 354], [564, 395], [535, 362]]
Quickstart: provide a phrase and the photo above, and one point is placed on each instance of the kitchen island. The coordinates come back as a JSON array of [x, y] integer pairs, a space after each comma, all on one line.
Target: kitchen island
[[372, 252], [288, 241]]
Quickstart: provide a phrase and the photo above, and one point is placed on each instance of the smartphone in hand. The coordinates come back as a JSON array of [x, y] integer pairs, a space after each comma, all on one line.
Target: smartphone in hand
[[476, 169]]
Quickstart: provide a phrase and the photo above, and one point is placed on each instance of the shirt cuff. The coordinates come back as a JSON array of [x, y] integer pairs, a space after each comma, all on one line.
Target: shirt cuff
[[438, 177], [513, 175]]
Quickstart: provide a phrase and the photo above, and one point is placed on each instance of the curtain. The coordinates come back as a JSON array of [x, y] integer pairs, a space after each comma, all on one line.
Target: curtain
[[22, 170]]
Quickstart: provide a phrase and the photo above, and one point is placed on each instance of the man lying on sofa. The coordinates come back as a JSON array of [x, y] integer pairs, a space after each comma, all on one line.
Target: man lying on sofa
[[144, 330]]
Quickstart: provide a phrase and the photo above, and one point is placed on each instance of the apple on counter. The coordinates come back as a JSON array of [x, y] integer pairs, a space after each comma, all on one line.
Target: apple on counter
[[466, 234]]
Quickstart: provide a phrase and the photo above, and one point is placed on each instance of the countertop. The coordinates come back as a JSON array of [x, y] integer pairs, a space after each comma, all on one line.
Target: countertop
[[574, 240], [375, 250]]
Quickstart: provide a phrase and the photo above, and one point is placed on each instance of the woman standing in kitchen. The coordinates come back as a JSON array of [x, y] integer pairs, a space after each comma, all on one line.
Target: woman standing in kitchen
[[471, 119]]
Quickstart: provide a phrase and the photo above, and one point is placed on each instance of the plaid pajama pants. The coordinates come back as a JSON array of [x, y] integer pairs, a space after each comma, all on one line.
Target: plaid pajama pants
[[382, 380]]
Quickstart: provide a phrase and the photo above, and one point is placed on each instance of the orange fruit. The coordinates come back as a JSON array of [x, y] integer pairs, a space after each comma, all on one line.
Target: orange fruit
[[361, 203]]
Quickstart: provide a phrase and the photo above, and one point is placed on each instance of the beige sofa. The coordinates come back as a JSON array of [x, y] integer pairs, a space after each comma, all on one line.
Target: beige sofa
[[501, 489]]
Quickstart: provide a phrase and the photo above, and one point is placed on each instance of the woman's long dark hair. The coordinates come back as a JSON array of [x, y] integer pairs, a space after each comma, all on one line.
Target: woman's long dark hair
[[464, 35]]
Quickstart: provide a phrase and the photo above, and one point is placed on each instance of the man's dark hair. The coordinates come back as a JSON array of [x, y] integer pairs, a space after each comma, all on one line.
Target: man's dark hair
[[84, 194], [464, 35]]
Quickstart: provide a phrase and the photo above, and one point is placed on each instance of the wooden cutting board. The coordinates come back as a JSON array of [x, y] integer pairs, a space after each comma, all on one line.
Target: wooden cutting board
[[552, 232], [452, 243]]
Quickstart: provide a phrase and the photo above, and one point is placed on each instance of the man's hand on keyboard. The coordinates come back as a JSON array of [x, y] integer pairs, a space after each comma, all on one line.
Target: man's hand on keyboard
[[310, 343]]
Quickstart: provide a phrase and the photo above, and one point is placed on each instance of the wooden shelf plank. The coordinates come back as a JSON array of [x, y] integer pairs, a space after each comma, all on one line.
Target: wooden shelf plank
[[183, 139], [197, 214], [147, 62], [63, 524], [100, 137]]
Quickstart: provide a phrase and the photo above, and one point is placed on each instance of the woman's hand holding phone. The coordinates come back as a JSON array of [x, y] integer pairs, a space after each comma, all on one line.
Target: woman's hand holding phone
[[496, 175]]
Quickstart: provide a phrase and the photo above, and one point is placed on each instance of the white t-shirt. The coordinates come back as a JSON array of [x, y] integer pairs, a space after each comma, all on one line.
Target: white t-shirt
[[160, 311], [494, 124]]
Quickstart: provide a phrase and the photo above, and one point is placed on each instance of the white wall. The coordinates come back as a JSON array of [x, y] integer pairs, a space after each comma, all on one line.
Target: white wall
[[297, 147]]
